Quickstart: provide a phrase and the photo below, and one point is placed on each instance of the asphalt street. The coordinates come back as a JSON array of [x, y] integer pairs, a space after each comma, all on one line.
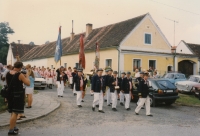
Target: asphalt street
[[69, 120]]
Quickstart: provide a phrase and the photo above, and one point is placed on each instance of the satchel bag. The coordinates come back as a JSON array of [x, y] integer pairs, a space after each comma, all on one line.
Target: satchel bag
[[4, 90]]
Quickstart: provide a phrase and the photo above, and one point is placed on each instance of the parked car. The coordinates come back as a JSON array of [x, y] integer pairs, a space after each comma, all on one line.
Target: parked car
[[196, 90], [40, 82], [161, 90], [175, 77], [186, 86]]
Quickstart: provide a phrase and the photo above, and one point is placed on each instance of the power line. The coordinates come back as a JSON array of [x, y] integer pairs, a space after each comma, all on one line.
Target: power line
[[176, 7]]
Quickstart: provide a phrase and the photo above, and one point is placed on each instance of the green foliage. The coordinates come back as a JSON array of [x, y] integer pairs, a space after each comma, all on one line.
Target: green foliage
[[4, 45]]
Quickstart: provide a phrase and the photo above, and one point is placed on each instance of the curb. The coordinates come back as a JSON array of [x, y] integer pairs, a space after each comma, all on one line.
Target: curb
[[34, 118]]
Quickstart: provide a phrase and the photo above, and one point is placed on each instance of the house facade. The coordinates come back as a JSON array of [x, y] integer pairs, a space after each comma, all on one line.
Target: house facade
[[124, 46]]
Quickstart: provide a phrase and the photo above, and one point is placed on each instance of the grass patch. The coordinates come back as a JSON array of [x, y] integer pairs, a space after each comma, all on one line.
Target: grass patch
[[3, 106], [35, 92], [188, 100]]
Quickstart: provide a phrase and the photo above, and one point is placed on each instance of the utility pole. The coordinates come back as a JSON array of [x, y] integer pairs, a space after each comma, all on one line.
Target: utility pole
[[173, 48]]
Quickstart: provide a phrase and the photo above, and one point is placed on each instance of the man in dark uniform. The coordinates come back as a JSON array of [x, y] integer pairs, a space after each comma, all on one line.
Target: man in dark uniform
[[79, 86], [114, 87], [127, 87], [138, 79], [144, 96], [107, 78], [73, 85], [98, 87], [104, 77], [121, 94]]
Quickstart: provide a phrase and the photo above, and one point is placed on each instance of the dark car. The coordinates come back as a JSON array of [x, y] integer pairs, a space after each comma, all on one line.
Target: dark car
[[161, 90]]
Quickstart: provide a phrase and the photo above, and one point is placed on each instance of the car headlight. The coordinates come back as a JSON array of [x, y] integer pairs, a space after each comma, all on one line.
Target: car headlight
[[160, 91]]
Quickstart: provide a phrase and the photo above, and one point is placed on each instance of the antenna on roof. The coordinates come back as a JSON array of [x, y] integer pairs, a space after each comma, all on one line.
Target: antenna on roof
[[174, 27], [72, 26]]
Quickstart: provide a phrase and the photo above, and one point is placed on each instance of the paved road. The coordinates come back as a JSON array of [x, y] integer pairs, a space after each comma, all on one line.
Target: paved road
[[69, 120]]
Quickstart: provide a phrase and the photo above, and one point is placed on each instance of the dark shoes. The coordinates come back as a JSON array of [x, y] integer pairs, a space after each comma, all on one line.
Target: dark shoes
[[101, 111], [114, 109], [82, 101], [97, 106], [13, 133], [128, 109], [136, 113], [121, 104], [75, 94], [150, 115], [105, 100], [80, 106], [142, 108], [109, 104], [61, 96], [28, 107], [93, 108], [58, 95]]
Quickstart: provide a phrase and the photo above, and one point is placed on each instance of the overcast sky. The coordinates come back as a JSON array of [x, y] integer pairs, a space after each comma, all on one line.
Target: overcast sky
[[38, 20]]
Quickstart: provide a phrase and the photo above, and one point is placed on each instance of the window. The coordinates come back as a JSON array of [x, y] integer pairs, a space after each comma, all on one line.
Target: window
[[147, 38], [136, 64], [65, 65], [109, 63], [77, 65], [152, 64]]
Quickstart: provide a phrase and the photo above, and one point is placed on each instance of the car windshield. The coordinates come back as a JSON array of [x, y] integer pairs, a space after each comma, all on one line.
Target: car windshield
[[193, 79], [37, 75], [165, 84], [180, 76], [170, 76]]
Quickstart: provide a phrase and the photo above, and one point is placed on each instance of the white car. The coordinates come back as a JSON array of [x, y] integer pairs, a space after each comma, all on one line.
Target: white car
[[186, 86], [40, 82]]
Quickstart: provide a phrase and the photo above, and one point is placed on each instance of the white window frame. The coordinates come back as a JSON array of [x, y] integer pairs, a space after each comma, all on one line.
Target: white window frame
[[109, 59], [156, 63], [65, 64], [144, 39], [137, 59]]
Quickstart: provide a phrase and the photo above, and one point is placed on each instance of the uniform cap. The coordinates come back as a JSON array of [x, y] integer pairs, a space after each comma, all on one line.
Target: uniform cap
[[123, 73], [61, 67], [128, 73], [115, 72], [100, 69], [74, 68]]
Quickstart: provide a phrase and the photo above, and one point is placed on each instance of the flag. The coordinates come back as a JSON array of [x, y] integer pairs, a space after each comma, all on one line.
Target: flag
[[58, 51], [97, 56], [81, 53]]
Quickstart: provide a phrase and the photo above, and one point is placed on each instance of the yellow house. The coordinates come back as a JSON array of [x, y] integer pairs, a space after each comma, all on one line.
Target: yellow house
[[124, 46]]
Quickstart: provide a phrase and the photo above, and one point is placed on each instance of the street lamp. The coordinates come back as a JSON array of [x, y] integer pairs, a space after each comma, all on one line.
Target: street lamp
[[173, 50]]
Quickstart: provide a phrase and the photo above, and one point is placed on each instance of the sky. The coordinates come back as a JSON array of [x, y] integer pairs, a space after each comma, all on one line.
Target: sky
[[38, 20]]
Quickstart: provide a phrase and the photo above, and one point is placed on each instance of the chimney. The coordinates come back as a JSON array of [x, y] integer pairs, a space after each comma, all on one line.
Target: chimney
[[72, 34], [88, 29]]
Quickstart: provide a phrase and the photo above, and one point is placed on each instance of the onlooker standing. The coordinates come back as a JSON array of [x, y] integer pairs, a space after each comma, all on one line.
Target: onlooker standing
[[29, 89], [137, 73], [144, 96], [15, 82]]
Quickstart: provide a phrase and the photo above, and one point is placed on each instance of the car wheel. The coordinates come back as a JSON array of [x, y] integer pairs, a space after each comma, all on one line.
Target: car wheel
[[169, 103], [152, 101]]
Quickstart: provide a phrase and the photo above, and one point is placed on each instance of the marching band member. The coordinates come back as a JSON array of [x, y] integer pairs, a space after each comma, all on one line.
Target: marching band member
[[98, 87], [123, 74], [144, 96], [73, 85], [126, 89], [79, 86], [104, 77], [114, 86], [109, 100], [50, 78], [69, 74], [61, 78], [84, 87]]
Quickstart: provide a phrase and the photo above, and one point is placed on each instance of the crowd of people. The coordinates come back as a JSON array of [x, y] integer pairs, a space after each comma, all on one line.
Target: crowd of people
[[108, 88]]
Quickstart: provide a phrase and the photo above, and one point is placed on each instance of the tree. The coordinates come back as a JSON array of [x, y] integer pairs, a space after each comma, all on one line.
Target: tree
[[4, 45], [31, 43]]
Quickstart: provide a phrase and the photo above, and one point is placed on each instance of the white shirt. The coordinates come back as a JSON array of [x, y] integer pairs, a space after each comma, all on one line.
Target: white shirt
[[137, 74]]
